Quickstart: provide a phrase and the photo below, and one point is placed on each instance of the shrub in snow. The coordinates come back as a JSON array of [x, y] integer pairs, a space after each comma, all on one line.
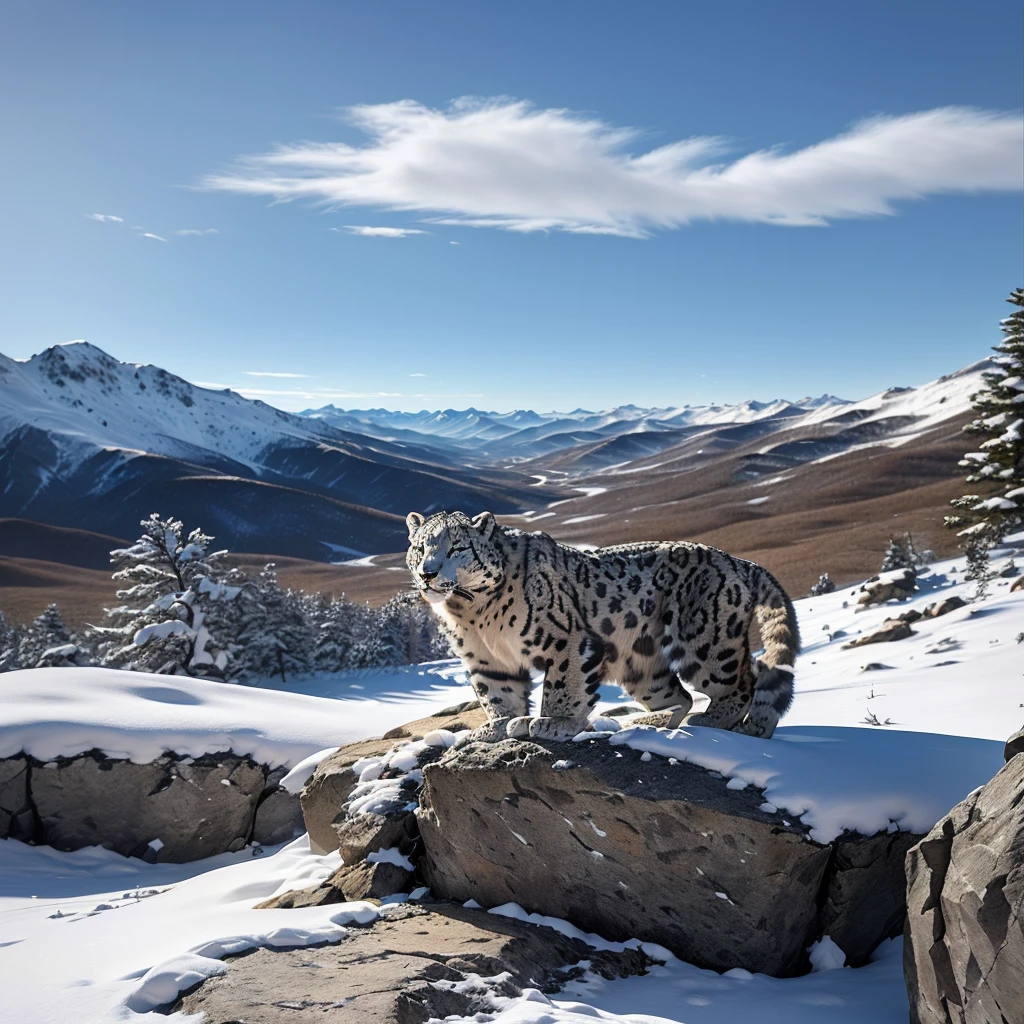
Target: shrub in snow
[[823, 586], [172, 581], [998, 461], [979, 567], [903, 554]]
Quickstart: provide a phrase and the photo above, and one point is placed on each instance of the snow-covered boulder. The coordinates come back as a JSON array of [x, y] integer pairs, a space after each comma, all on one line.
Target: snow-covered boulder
[[728, 850], [963, 954], [896, 584]]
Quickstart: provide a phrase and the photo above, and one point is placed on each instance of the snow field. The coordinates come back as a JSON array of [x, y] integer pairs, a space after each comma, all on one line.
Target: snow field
[[101, 938]]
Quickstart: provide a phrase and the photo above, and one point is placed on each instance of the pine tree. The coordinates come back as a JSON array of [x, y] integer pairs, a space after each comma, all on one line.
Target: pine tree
[[335, 634], [999, 460], [10, 638], [896, 556], [47, 643], [277, 637], [173, 582]]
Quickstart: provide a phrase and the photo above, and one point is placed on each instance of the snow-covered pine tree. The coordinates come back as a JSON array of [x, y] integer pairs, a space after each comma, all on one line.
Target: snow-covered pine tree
[[47, 642], [335, 634], [999, 460], [172, 582], [823, 586], [897, 556], [277, 637], [10, 637]]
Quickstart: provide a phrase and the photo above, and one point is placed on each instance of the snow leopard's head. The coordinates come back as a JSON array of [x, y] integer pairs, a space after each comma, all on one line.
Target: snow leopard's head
[[449, 553]]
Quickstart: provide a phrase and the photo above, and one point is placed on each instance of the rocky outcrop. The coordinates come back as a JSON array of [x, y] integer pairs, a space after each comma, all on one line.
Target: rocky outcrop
[[611, 841], [897, 584], [890, 630], [412, 966], [963, 954], [331, 785], [944, 607], [172, 809]]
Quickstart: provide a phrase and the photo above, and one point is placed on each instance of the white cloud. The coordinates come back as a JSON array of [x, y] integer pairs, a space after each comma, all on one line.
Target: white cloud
[[268, 373], [368, 231], [149, 234], [105, 218], [417, 375], [506, 164], [199, 232], [329, 395]]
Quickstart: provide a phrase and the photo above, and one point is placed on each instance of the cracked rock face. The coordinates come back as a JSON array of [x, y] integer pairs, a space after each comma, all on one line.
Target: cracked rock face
[[963, 954], [670, 854], [624, 848], [408, 968]]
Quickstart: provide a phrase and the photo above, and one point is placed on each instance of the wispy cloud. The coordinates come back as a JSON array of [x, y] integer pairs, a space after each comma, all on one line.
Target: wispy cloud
[[149, 234], [417, 375], [105, 218], [268, 373], [330, 395], [506, 164], [197, 232], [369, 231]]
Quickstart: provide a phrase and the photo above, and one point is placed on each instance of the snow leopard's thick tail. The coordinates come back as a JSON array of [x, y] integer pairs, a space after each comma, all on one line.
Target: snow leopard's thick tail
[[780, 637]]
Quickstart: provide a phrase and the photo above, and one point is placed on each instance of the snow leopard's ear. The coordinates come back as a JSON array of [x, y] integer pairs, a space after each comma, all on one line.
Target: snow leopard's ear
[[414, 521], [485, 523]]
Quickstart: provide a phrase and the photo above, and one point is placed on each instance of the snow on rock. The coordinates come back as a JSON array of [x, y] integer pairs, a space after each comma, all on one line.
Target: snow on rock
[[836, 779], [60, 712]]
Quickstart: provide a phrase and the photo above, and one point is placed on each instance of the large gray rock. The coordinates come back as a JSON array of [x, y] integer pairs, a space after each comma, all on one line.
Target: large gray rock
[[405, 969], [278, 817], [17, 820], [628, 848], [963, 954], [328, 790], [171, 809]]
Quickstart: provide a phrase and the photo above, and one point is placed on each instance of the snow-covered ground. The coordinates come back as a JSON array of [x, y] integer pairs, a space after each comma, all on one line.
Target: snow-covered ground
[[95, 937]]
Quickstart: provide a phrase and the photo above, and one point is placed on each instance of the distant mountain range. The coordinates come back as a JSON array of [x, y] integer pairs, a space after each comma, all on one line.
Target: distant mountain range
[[524, 434], [91, 443]]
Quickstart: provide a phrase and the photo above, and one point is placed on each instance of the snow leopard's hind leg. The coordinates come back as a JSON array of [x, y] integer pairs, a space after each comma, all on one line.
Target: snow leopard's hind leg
[[661, 691]]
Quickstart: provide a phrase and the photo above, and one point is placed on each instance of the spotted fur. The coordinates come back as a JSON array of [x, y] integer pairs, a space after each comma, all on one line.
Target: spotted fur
[[663, 620]]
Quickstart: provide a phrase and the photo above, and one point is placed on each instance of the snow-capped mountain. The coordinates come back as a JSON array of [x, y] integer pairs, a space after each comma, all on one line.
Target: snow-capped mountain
[[92, 443], [524, 434], [88, 441]]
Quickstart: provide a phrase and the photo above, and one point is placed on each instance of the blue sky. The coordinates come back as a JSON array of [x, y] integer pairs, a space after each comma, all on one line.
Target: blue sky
[[577, 247]]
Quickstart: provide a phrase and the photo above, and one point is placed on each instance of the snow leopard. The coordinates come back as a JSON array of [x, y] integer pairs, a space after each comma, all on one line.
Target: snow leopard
[[664, 620]]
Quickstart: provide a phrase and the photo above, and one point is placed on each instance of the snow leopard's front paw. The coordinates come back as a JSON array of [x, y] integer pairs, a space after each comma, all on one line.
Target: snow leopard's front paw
[[556, 728], [519, 728], [489, 732]]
